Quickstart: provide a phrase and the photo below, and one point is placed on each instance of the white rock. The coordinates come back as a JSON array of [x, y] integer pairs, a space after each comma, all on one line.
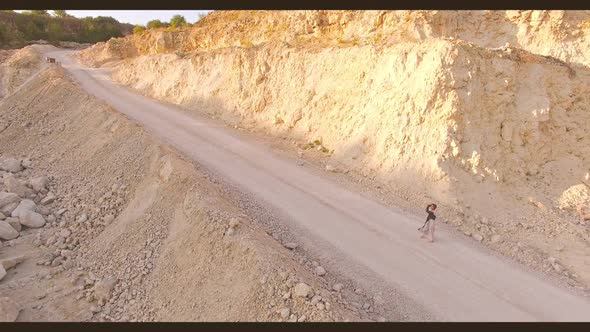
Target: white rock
[[7, 232], [320, 271], [32, 219], [230, 231], [330, 168], [82, 218], [2, 216], [338, 287], [14, 223], [2, 275], [39, 183], [10, 165], [8, 198], [109, 218], [49, 198], [478, 237], [302, 290], [25, 206], [291, 245]]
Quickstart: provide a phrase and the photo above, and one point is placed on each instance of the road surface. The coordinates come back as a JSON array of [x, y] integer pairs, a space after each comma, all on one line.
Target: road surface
[[451, 279]]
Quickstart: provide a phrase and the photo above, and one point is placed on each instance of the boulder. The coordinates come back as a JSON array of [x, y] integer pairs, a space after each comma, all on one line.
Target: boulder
[[7, 232], [9, 310], [42, 210], [8, 198], [39, 183], [7, 209], [320, 271], [2, 216], [15, 186], [32, 219], [14, 223], [338, 287], [25, 206], [10, 165], [2, 275], [291, 245]]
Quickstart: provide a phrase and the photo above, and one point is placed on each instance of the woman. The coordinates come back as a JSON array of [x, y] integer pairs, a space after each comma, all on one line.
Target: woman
[[428, 227]]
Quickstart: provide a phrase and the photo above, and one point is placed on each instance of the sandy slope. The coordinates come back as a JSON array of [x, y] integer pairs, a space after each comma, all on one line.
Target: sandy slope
[[453, 280]]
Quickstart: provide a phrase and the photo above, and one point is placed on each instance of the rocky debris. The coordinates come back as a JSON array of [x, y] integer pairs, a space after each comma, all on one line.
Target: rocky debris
[[285, 312], [2, 216], [15, 223], [39, 183], [7, 232], [9, 310], [320, 271], [478, 237], [48, 199], [302, 290], [2, 272], [291, 245], [10, 165], [42, 210]]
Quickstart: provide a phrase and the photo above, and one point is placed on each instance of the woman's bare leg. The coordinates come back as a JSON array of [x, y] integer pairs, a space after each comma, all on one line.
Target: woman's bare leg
[[431, 231]]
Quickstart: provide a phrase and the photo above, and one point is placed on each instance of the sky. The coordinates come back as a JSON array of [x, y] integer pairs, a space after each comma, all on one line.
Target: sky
[[140, 17]]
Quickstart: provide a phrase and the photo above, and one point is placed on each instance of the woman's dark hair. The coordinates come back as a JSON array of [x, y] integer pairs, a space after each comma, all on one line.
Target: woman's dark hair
[[432, 206]]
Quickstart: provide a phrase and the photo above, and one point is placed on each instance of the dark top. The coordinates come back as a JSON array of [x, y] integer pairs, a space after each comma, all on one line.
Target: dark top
[[431, 215]]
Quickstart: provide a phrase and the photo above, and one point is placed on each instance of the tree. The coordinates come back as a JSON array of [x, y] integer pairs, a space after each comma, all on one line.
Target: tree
[[138, 29], [61, 13], [55, 31], [155, 24], [177, 21], [200, 17], [39, 12]]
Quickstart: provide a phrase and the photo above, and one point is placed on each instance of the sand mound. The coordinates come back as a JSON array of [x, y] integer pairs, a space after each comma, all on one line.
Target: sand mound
[[16, 67], [140, 220]]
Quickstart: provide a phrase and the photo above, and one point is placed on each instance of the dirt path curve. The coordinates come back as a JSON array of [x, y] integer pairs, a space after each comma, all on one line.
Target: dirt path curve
[[452, 279]]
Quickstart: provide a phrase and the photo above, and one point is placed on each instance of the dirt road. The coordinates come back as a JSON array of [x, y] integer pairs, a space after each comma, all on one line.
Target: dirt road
[[452, 279]]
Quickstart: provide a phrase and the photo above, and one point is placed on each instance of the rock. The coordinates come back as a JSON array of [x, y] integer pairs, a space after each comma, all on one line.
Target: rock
[[320, 271], [10, 165], [61, 211], [14, 186], [7, 232], [233, 223], [358, 291], [478, 237], [25, 206], [42, 210], [109, 218], [49, 198], [27, 163], [39, 183], [2, 272], [302, 290], [285, 312], [2, 216], [230, 231], [65, 233], [302, 318], [338, 287], [315, 300], [82, 218], [51, 219], [103, 288], [33, 220], [291, 245], [14, 223], [378, 300], [9, 263], [381, 320], [8, 198], [320, 306], [9, 310], [7, 209], [496, 238], [330, 168]]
